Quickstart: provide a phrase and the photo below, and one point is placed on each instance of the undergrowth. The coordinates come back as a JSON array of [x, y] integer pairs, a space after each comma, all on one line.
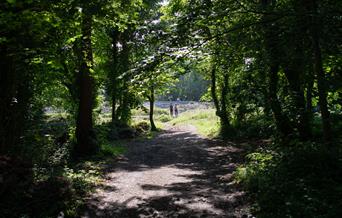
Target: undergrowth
[[303, 180], [45, 181]]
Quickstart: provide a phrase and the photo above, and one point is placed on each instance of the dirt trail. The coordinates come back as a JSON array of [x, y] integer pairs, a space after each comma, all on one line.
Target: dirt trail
[[176, 174]]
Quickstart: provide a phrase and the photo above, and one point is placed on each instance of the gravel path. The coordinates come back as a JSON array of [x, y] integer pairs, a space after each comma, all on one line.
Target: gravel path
[[176, 174]]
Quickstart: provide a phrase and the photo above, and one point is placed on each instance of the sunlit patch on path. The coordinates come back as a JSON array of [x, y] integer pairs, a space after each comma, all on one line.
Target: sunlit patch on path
[[177, 174]]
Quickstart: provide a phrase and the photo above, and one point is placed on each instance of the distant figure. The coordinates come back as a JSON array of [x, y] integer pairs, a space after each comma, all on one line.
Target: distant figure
[[176, 111], [171, 110]]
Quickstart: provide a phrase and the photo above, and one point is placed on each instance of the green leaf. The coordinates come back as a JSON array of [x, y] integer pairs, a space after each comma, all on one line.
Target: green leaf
[[11, 1]]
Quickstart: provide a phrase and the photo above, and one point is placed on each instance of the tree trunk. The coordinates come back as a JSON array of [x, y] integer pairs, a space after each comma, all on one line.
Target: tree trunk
[[113, 75], [126, 95], [15, 95], [314, 29], [322, 92], [309, 96], [294, 72], [220, 105], [300, 114], [152, 99], [240, 114], [86, 139], [281, 120], [225, 124], [272, 51], [213, 91], [7, 103]]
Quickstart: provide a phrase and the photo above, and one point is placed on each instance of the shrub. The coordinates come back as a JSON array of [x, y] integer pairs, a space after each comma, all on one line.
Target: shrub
[[164, 118], [299, 181], [142, 126]]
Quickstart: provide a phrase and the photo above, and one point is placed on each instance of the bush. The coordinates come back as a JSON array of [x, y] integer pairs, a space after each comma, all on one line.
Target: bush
[[253, 175], [142, 126], [299, 181], [164, 118]]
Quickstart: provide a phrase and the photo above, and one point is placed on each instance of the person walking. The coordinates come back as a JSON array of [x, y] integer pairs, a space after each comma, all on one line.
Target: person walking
[[171, 110], [176, 111]]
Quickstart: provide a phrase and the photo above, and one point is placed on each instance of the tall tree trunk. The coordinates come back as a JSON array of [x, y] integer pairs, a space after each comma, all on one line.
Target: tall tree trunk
[[126, 95], [309, 89], [281, 120], [224, 116], [220, 104], [114, 115], [152, 99], [294, 72], [322, 92], [7, 95], [15, 95], [314, 29], [114, 74], [300, 113], [272, 51], [86, 139], [213, 91]]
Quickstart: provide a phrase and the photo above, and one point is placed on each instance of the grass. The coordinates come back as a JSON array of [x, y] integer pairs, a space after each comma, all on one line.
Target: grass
[[299, 181], [157, 112], [112, 150], [205, 121]]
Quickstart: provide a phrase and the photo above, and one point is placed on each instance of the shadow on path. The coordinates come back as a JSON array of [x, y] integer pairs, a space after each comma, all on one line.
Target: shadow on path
[[176, 174]]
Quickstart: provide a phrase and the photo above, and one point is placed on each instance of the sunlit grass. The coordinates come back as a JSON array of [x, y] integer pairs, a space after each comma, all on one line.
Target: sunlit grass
[[157, 112], [205, 121]]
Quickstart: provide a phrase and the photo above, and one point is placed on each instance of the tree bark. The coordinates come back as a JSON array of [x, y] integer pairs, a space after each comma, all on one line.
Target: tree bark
[[309, 89], [300, 113], [314, 30], [294, 72], [272, 51], [224, 116], [220, 104], [7, 93], [86, 139], [213, 91], [152, 99], [281, 120], [114, 74], [322, 92], [15, 95], [126, 95]]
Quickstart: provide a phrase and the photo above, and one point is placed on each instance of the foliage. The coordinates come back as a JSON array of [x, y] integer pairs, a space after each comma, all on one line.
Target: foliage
[[142, 127], [74, 72], [164, 118], [190, 87], [299, 181], [53, 172]]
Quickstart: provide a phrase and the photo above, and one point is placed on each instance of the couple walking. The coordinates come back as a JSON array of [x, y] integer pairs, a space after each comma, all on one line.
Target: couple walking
[[173, 110]]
